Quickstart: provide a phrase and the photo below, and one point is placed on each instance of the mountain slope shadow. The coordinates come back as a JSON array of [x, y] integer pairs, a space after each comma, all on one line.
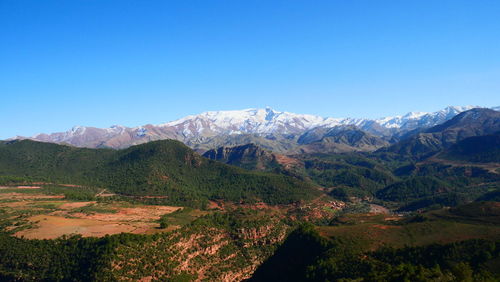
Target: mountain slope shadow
[[290, 261]]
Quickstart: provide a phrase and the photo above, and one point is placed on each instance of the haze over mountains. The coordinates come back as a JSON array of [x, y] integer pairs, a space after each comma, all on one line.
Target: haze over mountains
[[271, 129]]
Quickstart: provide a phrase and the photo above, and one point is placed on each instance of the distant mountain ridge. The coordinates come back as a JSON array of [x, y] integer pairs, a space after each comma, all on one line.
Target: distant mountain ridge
[[475, 122], [339, 139], [248, 156], [204, 130]]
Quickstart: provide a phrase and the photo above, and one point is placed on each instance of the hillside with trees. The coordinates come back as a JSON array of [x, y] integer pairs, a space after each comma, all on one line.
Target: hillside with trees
[[162, 168]]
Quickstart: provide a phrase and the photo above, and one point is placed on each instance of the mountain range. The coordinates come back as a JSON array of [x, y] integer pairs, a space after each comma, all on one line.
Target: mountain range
[[475, 122], [244, 210], [172, 169], [282, 132]]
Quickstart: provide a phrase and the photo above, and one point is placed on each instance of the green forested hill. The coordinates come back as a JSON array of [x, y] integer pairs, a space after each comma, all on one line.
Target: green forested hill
[[172, 169], [480, 149], [162, 168], [424, 248], [413, 188], [50, 162]]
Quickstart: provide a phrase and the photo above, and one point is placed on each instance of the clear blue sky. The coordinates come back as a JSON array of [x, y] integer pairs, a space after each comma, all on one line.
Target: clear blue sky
[[99, 63]]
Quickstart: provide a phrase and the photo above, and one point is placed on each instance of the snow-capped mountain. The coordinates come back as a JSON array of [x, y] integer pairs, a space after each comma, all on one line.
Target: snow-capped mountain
[[414, 120], [201, 128], [251, 121]]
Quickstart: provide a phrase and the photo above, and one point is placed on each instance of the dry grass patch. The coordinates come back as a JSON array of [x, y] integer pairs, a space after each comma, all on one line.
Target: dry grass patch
[[137, 220], [51, 227], [24, 196]]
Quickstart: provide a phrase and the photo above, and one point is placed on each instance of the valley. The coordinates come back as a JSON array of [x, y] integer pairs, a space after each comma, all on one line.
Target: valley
[[161, 210], [249, 141]]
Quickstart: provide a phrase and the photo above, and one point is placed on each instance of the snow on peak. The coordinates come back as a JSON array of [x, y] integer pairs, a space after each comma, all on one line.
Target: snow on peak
[[413, 120], [268, 120], [251, 120], [414, 115], [248, 121]]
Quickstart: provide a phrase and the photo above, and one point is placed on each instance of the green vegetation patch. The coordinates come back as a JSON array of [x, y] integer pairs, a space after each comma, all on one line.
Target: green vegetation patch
[[413, 188], [179, 217], [307, 256], [164, 168]]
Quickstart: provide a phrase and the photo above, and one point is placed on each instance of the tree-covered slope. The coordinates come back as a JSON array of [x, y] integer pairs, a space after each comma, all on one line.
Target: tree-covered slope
[[50, 162], [413, 188], [161, 168], [171, 169], [478, 149], [353, 252], [216, 247]]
